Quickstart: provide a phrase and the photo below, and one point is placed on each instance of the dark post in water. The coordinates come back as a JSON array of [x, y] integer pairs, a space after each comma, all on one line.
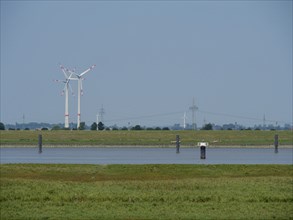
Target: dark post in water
[[40, 143], [177, 144], [202, 146], [202, 152], [276, 143]]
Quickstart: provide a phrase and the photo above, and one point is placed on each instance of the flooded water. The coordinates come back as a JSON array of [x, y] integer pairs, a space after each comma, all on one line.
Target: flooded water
[[142, 155]]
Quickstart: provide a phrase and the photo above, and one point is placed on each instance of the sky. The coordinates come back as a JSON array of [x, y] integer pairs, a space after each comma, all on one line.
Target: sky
[[234, 58]]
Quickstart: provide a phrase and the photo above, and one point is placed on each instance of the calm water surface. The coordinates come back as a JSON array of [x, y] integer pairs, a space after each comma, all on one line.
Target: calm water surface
[[142, 155]]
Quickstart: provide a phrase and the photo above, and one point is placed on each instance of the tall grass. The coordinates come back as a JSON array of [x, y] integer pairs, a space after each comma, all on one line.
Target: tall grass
[[146, 192]]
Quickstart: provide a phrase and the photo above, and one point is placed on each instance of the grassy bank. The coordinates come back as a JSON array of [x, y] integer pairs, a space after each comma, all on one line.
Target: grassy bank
[[151, 138], [146, 191]]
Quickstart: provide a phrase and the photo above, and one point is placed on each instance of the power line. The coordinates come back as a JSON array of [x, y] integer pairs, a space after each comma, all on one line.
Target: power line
[[144, 116], [239, 116], [200, 111]]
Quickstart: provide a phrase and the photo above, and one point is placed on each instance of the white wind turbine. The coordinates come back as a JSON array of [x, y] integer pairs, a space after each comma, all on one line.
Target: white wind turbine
[[184, 120], [65, 90], [79, 78]]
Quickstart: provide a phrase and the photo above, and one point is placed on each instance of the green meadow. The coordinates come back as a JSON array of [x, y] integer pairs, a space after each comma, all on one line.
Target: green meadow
[[146, 138], [57, 191]]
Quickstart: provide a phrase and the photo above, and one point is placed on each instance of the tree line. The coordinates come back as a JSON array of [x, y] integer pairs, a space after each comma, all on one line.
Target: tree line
[[101, 126]]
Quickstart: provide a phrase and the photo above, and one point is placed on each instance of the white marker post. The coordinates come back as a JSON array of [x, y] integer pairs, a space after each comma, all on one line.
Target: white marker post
[[203, 146]]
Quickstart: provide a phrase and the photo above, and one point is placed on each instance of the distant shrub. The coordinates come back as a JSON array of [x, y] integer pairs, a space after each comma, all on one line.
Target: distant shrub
[[56, 127], [82, 126], [2, 126], [137, 128], [101, 126], [208, 126], [94, 126]]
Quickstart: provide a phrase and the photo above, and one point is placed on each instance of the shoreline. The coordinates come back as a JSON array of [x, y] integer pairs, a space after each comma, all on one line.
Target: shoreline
[[146, 138], [142, 146]]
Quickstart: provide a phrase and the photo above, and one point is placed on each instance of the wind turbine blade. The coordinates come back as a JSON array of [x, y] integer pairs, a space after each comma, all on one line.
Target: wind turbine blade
[[64, 89], [70, 75], [89, 69], [72, 72], [64, 71], [71, 89]]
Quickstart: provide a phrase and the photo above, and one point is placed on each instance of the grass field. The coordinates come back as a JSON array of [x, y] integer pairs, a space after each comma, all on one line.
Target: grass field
[[34, 191], [150, 138]]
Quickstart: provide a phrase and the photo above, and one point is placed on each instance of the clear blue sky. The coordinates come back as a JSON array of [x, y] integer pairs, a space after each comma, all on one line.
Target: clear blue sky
[[233, 57]]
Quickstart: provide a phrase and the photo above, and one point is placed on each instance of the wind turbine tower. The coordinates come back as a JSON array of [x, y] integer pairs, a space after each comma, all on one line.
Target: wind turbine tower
[[79, 78], [193, 108], [184, 120], [65, 90]]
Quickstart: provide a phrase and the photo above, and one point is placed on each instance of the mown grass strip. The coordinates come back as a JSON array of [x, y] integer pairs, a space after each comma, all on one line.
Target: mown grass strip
[[92, 173]]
